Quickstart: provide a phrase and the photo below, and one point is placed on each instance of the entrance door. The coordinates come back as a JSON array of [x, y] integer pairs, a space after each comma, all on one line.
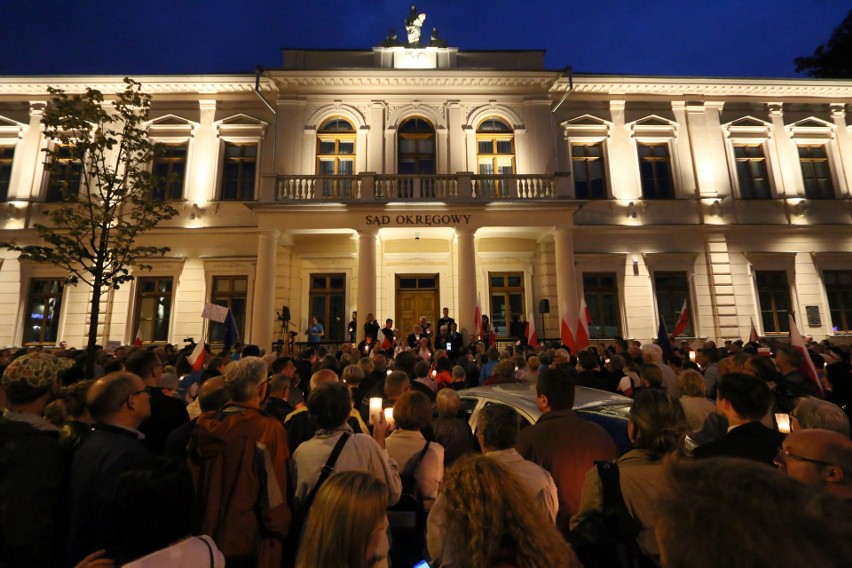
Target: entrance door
[[416, 295]]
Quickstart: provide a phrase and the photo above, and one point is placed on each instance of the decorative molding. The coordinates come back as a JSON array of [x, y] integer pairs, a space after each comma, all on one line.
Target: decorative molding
[[700, 87]]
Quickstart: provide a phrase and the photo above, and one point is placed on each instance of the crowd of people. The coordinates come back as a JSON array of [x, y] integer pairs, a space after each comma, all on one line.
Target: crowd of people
[[737, 457]]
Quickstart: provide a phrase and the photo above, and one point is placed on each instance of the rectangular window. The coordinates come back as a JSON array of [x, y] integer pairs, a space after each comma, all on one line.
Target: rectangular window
[[238, 172], [230, 292], [169, 169], [838, 288], [65, 173], [774, 295], [44, 304], [327, 302], [153, 308], [815, 172], [752, 172], [601, 293], [506, 300], [7, 155], [589, 174], [671, 289], [655, 170]]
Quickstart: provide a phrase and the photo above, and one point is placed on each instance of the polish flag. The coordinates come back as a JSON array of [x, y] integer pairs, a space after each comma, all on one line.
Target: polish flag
[[386, 342], [682, 321], [196, 358], [752, 336], [566, 332], [807, 367], [477, 324], [583, 322], [532, 338], [137, 341]]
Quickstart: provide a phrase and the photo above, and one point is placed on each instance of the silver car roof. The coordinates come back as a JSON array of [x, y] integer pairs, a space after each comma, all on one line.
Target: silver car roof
[[522, 395]]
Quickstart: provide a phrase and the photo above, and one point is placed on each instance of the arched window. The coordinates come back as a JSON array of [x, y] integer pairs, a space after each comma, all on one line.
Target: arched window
[[336, 156], [416, 145], [495, 147]]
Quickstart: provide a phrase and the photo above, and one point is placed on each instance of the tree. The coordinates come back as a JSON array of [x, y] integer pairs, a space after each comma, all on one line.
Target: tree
[[94, 228], [832, 60]]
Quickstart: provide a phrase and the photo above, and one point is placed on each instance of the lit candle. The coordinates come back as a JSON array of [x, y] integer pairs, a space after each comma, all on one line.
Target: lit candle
[[375, 406], [692, 356], [783, 421], [389, 417]]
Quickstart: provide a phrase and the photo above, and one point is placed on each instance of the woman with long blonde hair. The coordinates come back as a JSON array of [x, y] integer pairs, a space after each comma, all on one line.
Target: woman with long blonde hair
[[345, 523], [491, 521]]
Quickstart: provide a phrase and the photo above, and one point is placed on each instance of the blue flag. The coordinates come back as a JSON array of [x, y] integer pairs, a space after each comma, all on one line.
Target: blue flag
[[231, 335], [663, 340]]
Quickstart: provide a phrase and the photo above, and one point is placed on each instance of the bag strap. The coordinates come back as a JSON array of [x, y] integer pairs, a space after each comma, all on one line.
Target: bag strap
[[209, 549], [613, 500], [419, 459], [327, 469]]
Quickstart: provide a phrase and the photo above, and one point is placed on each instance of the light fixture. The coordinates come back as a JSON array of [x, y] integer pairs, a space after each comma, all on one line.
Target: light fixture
[[195, 212], [631, 210], [716, 208], [801, 208]]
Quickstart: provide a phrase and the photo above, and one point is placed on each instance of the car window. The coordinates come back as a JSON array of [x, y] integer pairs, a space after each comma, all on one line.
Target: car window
[[468, 405], [524, 420]]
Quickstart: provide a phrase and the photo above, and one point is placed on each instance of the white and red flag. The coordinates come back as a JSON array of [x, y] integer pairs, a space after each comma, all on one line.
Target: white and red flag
[[137, 341], [196, 358], [682, 321], [583, 322], [477, 323], [566, 331], [807, 367], [752, 336], [532, 338]]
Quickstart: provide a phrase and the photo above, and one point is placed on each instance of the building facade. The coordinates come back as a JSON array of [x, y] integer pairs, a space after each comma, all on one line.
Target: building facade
[[399, 181]]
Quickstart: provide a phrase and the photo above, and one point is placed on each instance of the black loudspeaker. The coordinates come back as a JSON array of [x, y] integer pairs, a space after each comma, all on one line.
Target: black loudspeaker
[[285, 313], [544, 306]]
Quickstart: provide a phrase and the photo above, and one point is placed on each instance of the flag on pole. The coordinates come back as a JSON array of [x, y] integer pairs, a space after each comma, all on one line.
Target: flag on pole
[[196, 358], [137, 341], [387, 344], [477, 324], [231, 334], [663, 340], [752, 336], [682, 321], [532, 338], [807, 367], [583, 322], [566, 332]]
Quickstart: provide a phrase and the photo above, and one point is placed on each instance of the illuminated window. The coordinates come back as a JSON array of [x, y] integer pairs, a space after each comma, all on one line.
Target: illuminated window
[[774, 295], [7, 154], [64, 174], [239, 170], [815, 172], [416, 140], [671, 289], [601, 293], [170, 170], [44, 304], [230, 292], [153, 308], [655, 170], [495, 154], [327, 298], [506, 293], [336, 156], [752, 173], [587, 161], [838, 288]]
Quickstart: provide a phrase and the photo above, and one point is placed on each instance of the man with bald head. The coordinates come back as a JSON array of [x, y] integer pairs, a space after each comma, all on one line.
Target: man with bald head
[[211, 396], [819, 458], [119, 402], [299, 424]]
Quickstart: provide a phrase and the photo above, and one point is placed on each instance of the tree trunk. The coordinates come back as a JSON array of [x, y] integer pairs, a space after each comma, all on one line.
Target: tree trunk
[[91, 346]]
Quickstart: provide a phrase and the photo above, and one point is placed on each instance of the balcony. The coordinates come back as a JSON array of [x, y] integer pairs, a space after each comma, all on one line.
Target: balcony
[[462, 187]]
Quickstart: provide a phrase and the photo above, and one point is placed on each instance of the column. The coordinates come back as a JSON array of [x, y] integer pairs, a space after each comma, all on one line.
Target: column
[[783, 153], [201, 181], [844, 144], [263, 304], [467, 280], [366, 277], [28, 166], [625, 181], [566, 279]]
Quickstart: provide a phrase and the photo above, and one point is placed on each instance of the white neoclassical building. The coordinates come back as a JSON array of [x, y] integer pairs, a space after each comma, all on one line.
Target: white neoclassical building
[[398, 181]]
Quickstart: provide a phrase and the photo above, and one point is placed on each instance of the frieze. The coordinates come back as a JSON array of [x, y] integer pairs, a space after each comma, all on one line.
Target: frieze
[[418, 219]]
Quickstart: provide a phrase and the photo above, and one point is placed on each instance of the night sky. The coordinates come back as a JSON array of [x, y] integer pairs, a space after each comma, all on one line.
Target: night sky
[[737, 38]]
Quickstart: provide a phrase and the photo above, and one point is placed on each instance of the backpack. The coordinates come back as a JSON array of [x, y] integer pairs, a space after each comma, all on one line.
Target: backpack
[[408, 516], [607, 538]]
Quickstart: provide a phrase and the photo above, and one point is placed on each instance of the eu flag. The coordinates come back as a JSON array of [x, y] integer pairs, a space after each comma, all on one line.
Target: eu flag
[[231, 335]]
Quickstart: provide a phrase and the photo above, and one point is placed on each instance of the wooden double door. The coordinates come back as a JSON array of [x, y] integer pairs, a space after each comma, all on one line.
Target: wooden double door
[[416, 295]]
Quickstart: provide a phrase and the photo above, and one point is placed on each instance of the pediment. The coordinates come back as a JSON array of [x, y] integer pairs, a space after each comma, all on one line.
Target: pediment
[[812, 122], [586, 120], [241, 127], [748, 122], [242, 120], [653, 120], [171, 127]]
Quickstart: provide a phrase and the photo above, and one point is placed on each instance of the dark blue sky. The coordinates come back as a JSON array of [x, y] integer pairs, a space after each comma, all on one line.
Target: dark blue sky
[[661, 37]]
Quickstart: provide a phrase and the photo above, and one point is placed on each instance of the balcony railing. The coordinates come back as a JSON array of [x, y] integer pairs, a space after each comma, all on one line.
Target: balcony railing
[[415, 188]]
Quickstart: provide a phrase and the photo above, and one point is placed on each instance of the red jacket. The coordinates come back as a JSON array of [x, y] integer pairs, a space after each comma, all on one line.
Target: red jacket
[[238, 459]]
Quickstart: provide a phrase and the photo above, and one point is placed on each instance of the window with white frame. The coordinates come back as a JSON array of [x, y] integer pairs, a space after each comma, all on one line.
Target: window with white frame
[[587, 137], [153, 307], [655, 137], [336, 156], [816, 173], [169, 169], [44, 306], [241, 137], [64, 173], [752, 171]]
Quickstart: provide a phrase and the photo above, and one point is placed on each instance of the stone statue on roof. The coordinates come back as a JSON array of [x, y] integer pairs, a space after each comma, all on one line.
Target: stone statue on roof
[[413, 23], [391, 41], [435, 40]]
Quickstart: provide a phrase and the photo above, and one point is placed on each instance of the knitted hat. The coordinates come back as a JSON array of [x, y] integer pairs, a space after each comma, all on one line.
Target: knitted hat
[[34, 372]]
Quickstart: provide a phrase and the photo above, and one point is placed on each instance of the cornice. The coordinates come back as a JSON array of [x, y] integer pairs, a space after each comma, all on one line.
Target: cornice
[[192, 85]]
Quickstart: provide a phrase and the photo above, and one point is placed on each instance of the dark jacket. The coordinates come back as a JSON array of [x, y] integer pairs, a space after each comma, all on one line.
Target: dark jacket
[[100, 459], [455, 436], [167, 413], [752, 441], [567, 446], [30, 476]]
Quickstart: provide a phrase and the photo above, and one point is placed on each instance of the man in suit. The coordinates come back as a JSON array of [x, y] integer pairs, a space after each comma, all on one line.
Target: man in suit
[[743, 400]]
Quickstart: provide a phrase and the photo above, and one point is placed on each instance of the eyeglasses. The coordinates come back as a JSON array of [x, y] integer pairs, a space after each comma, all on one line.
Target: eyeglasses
[[784, 455], [140, 391]]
